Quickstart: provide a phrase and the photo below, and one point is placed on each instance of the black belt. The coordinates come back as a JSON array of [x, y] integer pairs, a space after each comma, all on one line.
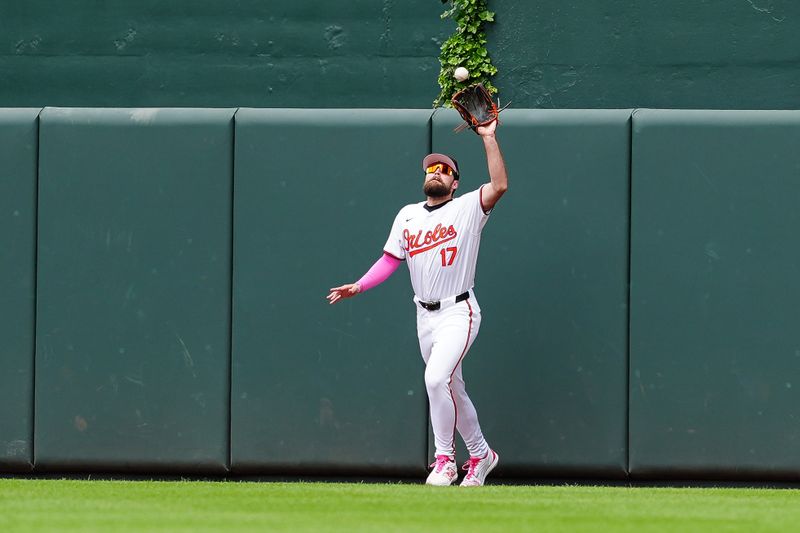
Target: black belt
[[435, 306]]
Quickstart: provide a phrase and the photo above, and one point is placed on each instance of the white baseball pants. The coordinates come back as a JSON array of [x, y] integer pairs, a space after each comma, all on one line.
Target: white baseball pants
[[445, 337]]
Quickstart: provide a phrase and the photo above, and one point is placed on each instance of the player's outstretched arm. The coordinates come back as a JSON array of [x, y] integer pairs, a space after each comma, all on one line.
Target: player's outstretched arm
[[345, 291], [498, 185], [380, 272]]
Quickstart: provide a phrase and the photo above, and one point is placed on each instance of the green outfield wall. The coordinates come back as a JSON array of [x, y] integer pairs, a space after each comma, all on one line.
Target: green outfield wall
[[134, 285], [715, 332], [320, 388], [717, 54], [164, 274], [19, 132], [548, 371]]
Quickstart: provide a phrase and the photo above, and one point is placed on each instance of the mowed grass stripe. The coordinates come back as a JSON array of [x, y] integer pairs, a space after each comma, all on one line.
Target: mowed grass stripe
[[77, 505]]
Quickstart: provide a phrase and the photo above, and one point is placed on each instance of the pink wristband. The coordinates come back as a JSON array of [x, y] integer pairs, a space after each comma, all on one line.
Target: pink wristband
[[380, 272]]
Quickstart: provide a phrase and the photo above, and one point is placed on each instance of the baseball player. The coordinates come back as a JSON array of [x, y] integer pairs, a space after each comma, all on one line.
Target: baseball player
[[439, 240]]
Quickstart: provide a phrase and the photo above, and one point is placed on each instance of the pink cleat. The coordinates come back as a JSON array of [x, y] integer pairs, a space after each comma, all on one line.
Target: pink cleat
[[444, 471], [478, 468]]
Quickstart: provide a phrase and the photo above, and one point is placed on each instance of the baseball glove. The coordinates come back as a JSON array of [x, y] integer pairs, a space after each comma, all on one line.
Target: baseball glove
[[476, 107]]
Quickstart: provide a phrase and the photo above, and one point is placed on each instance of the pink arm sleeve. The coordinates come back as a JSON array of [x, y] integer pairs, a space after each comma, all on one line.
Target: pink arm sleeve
[[380, 272]]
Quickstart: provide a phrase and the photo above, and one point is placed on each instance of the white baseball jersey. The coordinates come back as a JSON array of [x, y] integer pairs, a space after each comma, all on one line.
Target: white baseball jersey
[[440, 244]]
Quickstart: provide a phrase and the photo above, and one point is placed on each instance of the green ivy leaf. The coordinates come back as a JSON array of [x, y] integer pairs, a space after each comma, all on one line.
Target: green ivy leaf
[[467, 47]]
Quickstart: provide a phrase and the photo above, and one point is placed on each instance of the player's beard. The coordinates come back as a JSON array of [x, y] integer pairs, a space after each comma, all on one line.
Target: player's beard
[[435, 189]]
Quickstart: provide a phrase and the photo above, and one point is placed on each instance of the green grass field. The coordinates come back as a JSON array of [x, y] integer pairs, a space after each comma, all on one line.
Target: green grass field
[[74, 505]]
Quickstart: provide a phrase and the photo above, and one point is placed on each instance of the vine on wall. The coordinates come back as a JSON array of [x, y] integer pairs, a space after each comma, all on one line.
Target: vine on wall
[[465, 48]]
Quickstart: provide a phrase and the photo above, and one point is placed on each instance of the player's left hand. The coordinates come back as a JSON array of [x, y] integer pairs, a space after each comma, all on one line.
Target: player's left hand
[[345, 291], [487, 130]]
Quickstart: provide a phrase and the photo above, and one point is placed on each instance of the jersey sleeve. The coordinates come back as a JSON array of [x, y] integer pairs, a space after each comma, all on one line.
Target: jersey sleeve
[[394, 244], [476, 216]]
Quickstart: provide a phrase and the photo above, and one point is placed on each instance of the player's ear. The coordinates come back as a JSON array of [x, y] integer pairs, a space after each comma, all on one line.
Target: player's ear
[[455, 184]]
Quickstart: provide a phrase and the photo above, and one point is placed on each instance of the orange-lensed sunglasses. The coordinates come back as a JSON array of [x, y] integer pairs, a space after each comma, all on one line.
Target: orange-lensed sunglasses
[[443, 167]]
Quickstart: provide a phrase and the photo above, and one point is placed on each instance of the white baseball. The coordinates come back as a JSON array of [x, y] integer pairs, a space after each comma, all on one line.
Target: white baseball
[[461, 74]]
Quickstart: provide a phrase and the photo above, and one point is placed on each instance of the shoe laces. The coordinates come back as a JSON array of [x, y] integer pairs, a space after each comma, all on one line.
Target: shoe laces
[[440, 462], [470, 466]]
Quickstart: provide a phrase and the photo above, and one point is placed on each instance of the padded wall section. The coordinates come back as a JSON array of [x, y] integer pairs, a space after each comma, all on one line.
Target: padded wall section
[[715, 332], [134, 272], [548, 371], [320, 388], [18, 146]]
